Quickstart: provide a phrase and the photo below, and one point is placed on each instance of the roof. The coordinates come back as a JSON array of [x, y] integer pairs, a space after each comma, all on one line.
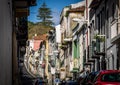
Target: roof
[[78, 9], [41, 37], [79, 4]]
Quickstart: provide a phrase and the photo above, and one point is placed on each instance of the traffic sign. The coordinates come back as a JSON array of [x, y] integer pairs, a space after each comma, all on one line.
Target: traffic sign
[[57, 80]]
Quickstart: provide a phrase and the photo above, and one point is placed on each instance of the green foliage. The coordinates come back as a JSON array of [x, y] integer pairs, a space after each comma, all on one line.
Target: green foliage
[[45, 15], [101, 38], [30, 25], [37, 28]]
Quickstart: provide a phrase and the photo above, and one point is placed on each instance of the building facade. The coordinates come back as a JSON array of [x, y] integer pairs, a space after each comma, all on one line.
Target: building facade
[[11, 43], [103, 38]]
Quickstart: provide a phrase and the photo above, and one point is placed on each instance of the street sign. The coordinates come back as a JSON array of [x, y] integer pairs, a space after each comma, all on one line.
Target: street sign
[[57, 80]]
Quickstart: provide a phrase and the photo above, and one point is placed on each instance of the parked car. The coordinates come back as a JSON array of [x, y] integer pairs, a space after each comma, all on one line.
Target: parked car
[[88, 80], [107, 77]]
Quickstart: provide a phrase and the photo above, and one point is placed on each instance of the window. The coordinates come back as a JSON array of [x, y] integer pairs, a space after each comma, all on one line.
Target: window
[[113, 11], [107, 24], [111, 77], [103, 21], [75, 49], [98, 22]]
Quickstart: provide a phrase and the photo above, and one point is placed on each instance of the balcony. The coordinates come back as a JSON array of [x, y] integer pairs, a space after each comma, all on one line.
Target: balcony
[[100, 53], [95, 56], [21, 7], [115, 32], [116, 39], [91, 60], [67, 39]]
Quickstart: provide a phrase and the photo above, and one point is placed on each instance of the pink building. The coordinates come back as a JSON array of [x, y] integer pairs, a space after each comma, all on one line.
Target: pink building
[[35, 42]]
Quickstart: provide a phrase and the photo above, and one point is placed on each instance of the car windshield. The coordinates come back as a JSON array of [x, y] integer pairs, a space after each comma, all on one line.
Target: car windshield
[[111, 77]]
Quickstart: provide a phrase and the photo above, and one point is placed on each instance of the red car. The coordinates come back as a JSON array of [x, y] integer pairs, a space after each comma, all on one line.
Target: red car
[[107, 77]]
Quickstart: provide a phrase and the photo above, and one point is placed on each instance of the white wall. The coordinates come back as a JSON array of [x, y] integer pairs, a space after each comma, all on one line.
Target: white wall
[[5, 43], [31, 44], [58, 34]]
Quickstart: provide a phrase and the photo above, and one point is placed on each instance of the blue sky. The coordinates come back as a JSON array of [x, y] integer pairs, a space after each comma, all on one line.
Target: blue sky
[[56, 8]]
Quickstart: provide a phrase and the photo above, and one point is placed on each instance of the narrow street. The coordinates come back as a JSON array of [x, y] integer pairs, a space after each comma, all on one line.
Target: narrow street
[[60, 42], [26, 78]]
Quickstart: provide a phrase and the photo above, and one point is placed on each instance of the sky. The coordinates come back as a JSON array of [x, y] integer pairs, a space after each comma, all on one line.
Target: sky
[[56, 7]]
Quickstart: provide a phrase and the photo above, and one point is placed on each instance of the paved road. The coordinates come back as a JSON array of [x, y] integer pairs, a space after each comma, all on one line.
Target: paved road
[[26, 78]]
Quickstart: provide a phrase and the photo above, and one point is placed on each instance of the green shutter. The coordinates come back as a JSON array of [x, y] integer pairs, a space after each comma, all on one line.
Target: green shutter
[[75, 49], [78, 50]]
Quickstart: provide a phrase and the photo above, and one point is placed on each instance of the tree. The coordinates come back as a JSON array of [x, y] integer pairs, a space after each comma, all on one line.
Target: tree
[[44, 14], [30, 25], [37, 28]]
